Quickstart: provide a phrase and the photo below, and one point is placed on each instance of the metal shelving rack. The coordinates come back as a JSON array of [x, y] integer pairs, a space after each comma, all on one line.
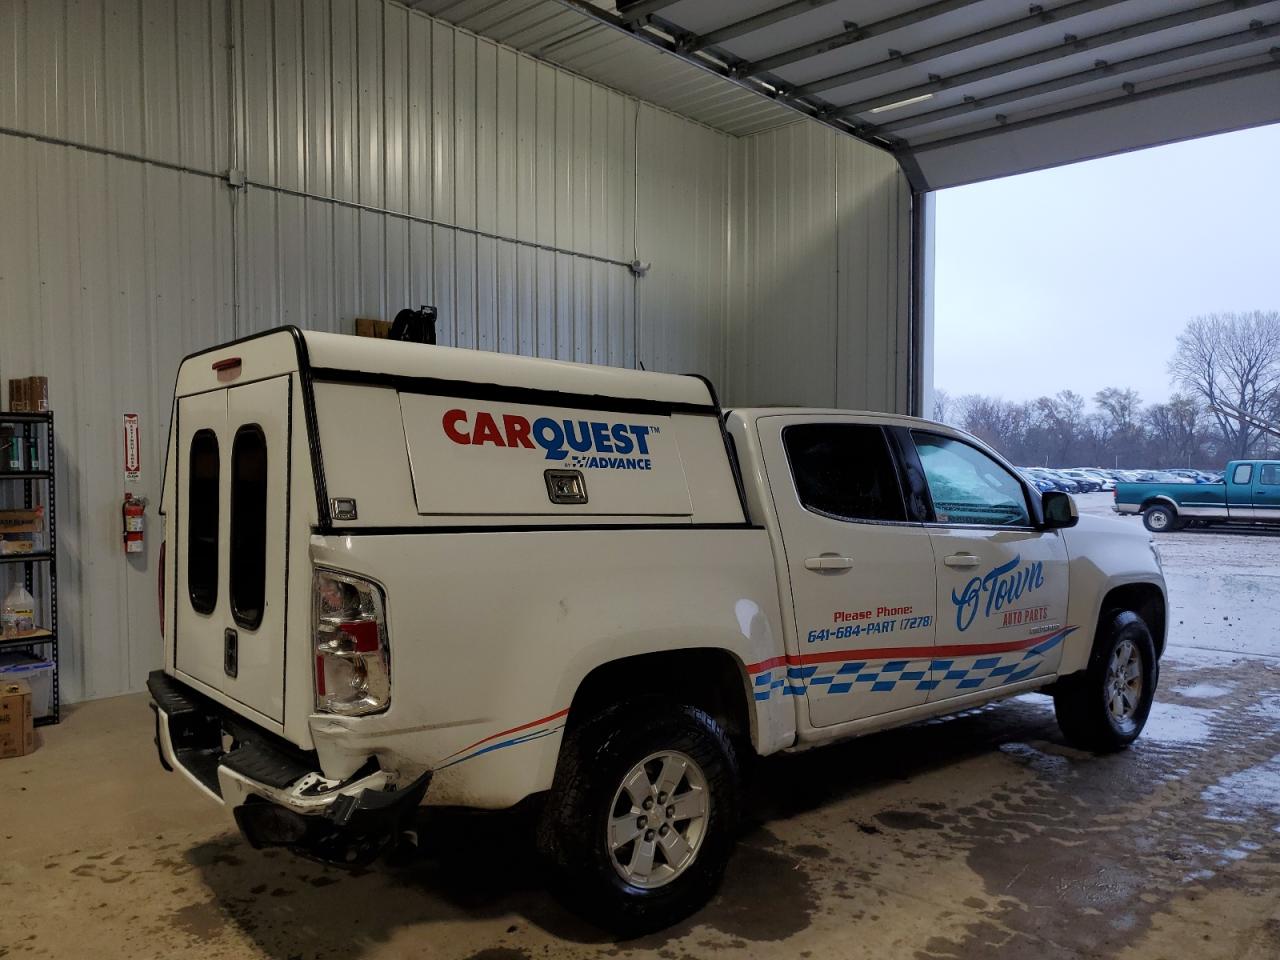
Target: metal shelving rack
[[45, 560]]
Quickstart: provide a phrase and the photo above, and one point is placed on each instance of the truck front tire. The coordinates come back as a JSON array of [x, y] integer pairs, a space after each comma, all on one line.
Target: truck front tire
[[641, 818], [1104, 708], [1160, 519]]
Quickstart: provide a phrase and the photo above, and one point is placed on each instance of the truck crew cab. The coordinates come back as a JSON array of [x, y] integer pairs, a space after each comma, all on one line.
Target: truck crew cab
[[398, 574]]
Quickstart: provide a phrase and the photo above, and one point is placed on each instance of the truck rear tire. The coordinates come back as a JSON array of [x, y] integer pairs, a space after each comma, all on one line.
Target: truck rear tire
[[642, 816], [1104, 708], [1160, 519]]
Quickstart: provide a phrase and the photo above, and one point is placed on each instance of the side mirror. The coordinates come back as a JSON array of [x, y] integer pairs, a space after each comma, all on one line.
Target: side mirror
[[1059, 510]]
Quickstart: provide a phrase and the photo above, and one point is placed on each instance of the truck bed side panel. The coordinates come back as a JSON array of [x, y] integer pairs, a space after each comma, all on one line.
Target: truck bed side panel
[[492, 633]]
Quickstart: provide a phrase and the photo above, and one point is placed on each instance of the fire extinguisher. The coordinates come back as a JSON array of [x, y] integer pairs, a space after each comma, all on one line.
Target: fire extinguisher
[[132, 514]]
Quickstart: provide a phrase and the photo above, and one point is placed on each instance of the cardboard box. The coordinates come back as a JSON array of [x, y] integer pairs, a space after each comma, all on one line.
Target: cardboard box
[[22, 521], [18, 395], [18, 529], [38, 394], [17, 729], [366, 327]]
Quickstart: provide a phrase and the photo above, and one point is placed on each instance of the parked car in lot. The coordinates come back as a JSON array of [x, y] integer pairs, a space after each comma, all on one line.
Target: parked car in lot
[[1040, 483], [1056, 480], [1086, 482], [396, 573], [1106, 481], [1250, 495]]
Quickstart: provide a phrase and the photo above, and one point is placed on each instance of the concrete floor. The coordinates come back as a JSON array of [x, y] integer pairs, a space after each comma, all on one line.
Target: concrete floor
[[977, 836]]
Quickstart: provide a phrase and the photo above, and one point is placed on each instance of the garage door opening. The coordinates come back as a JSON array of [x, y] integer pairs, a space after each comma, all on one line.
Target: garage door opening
[[1117, 314]]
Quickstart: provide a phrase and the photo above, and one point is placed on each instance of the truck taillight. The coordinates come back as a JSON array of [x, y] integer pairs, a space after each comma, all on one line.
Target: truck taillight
[[160, 587], [352, 657]]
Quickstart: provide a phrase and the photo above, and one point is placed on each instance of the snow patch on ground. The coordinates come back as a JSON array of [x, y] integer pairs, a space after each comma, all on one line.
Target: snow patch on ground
[[1240, 795], [1267, 706], [1204, 691], [1176, 723]]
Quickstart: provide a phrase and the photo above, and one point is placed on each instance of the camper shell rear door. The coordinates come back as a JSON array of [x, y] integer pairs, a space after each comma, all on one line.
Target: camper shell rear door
[[229, 505]]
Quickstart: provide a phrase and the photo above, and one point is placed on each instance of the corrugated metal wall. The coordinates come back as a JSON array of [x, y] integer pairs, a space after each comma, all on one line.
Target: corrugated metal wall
[[822, 244], [389, 159]]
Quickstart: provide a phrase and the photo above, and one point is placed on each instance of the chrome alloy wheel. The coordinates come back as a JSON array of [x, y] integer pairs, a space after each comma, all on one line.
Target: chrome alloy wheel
[[1123, 685], [1159, 520], [658, 819]]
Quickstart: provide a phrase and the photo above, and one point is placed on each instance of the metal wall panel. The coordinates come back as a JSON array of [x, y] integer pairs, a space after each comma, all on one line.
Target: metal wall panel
[[391, 160], [144, 77], [110, 272], [825, 273]]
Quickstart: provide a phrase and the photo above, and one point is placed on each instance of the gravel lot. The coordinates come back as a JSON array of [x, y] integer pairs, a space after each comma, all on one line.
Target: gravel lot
[[1224, 583]]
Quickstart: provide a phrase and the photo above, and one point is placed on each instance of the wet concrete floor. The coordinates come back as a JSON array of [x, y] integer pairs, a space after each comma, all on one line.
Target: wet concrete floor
[[977, 836]]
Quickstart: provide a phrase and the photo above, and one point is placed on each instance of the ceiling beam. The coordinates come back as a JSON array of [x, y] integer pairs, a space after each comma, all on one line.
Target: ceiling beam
[[1121, 97], [633, 11], [1100, 69], [1031, 21], [855, 34], [761, 20], [763, 89], [1070, 46]]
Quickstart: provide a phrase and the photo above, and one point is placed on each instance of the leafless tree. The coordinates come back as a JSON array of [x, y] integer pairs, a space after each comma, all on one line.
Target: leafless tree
[[1231, 357], [942, 406], [1120, 436], [999, 422], [1176, 430], [1062, 421]]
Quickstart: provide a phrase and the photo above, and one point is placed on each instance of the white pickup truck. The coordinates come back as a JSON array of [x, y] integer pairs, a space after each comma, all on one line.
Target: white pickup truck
[[398, 574]]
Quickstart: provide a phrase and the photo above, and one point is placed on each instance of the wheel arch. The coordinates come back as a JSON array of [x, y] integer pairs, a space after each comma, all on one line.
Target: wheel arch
[[711, 678], [1147, 600], [1160, 499]]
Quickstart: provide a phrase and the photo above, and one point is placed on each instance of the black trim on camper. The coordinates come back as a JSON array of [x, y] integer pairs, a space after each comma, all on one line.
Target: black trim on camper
[[526, 528], [498, 393], [730, 448], [308, 407]]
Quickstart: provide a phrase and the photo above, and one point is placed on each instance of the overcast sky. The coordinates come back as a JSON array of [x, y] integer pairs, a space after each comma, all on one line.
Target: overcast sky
[[1082, 276]]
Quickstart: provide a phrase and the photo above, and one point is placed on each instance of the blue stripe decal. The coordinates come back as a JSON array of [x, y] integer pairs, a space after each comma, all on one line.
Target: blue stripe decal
[[514, 741], [922, 674]]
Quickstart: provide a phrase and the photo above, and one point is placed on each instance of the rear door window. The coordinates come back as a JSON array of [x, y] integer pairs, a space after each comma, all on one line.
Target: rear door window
[[202, 537], [1243, 473], [248, 525], [969, 487], [844, 471]]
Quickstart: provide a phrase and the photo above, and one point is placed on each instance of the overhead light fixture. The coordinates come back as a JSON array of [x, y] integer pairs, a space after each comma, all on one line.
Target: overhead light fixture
[[902, 103]]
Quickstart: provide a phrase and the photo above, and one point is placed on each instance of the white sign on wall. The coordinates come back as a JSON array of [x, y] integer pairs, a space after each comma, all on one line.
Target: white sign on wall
[[132, 451]]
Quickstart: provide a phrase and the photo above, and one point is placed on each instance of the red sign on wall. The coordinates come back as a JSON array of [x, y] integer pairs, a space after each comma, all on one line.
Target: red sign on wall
[[132, 450]]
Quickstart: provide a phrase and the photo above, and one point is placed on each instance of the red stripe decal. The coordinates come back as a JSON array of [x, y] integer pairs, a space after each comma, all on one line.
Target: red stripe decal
[[503, 733], [904, 653], [767, 664]]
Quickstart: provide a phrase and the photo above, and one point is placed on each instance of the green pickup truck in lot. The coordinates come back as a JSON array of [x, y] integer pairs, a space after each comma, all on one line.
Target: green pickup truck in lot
[[1249, 494]]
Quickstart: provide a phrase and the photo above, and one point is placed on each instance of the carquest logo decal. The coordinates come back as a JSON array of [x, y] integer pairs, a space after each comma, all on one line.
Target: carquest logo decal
[[584, 443]]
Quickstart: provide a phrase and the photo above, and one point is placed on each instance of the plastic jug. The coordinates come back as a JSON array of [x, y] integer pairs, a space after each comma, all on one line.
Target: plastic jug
[[18, 615]]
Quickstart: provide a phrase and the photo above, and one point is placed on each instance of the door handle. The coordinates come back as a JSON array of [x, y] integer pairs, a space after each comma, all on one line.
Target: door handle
[[828, 562], [962, 560]]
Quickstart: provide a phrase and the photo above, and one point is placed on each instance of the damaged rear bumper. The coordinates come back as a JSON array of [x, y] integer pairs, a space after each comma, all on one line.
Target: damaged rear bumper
[[276, 792]]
